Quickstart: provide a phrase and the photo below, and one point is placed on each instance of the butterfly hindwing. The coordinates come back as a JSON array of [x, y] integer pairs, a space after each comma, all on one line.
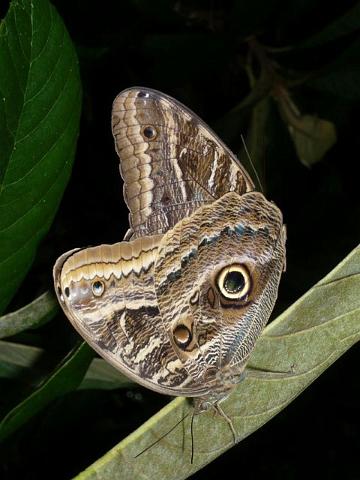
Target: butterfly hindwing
[[108, 294], [211, 329]]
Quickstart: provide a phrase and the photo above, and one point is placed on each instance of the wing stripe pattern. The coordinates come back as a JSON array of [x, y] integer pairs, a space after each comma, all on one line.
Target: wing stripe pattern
[[182, 168], [123, 325]]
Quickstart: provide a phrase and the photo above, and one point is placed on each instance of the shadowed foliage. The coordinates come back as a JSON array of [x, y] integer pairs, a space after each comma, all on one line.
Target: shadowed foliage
[[285, 76]]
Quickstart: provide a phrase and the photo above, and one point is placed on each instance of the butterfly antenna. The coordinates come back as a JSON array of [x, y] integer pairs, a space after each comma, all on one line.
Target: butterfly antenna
[[164, 435], [192, 437], [251, 163]]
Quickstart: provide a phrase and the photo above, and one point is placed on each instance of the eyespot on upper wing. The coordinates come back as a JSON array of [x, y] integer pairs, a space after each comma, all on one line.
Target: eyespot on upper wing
[[171, 161]]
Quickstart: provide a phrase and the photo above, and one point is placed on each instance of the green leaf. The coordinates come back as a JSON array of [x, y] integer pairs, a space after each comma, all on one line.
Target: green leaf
[[36, 313], [22, 356], [312, 136], [101, 375], [40, 99], [233, 123], [16, 358], [342, 76], [66, 378], [253, 156], [344, 25], [304, 341]]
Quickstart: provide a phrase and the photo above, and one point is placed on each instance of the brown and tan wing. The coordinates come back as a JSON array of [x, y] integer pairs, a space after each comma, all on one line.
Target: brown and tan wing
[[216, 278], [108, 294], [170, 160], [155, 307]]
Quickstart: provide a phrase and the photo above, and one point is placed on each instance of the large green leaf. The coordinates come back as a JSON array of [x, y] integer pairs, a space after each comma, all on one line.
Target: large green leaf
[[40, 98], [303, 341]]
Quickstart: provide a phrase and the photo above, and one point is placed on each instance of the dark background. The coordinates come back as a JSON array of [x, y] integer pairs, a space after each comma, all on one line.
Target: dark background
[[195, 51]]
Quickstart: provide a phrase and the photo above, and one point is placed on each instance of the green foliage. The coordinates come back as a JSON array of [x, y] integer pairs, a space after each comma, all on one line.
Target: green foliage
[[39, 116], [285, 76], [15, 357], [36, 313], [303, 341], [64, 379]]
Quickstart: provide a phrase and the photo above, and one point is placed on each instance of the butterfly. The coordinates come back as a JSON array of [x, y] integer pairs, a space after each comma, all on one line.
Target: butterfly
[[179, 304]]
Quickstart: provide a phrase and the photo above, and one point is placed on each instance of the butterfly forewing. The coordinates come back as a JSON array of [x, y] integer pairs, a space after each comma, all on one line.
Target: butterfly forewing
[[170, 160]]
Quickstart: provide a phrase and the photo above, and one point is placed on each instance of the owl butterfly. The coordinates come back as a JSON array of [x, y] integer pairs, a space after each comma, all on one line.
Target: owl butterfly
[[179, 305]]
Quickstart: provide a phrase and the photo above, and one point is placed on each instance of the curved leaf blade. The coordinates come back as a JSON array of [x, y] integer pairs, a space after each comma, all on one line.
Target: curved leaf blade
[[341, 77], [16, 358], [40, 99], [344, 25], [66, 378], [36, 313], [303, 341]]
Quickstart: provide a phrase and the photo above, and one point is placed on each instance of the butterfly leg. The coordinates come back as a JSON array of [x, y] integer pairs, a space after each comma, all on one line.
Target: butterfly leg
[[221, 412]]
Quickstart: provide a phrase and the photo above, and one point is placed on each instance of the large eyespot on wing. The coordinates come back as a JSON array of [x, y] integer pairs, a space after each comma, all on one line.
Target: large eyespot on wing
[[107, 292], [234, 282], [233, 251], [171, 161]]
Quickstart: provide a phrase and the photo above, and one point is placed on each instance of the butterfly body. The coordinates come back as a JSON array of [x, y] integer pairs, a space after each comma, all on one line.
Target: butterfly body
[[179, 307]]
